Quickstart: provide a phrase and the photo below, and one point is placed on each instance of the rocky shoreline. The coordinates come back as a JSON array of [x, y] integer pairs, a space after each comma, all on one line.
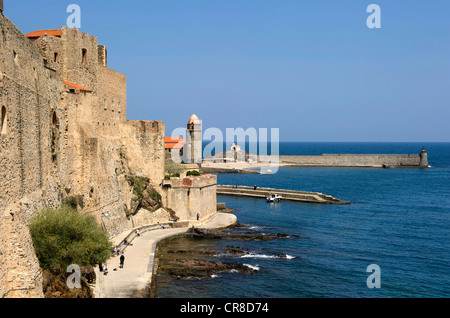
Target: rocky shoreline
[[190, 255]]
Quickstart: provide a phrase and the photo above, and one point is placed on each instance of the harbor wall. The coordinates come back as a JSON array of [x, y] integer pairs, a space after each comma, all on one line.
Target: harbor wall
[[358, 160], [311, 197]]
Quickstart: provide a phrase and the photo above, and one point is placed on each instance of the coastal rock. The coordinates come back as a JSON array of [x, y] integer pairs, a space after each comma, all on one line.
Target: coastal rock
[[199, 252], [247, 236], [195, 268], [235, 250]]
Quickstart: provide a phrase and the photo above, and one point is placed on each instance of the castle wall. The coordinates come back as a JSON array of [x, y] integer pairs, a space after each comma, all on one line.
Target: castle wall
[[144, 144], [51, 48], [28, 91], [78, 68], [112, 102]]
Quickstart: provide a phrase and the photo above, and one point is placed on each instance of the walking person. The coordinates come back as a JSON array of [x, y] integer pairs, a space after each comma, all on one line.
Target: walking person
[[122, 260]]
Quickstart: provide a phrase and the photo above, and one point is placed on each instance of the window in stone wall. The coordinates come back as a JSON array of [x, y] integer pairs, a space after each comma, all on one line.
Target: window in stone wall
[[55, 137], [55, 123], [83, 56], [16, 57], [3, 121], [56, 57]]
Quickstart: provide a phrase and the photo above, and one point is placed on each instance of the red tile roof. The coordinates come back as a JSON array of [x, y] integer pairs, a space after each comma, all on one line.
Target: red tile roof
[[39, 33], [172, 139], [81, 88], [174, 142]]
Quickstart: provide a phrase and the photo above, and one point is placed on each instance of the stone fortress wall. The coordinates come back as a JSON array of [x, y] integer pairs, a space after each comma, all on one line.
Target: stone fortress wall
[[64, 132], [26, 99]]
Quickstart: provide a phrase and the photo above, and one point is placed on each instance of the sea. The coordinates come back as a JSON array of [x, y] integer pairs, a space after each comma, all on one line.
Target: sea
[[392, 241]]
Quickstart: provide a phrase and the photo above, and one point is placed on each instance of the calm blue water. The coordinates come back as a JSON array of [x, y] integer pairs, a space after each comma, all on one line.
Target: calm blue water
[[399, 219]]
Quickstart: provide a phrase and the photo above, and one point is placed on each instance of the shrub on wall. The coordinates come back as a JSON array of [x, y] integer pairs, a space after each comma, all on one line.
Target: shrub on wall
[[173, 168], [70, 201], [193, 173], [175, 175], [63, 237]]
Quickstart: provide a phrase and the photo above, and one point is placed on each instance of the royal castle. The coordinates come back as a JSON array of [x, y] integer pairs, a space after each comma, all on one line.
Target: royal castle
[[64, 132]]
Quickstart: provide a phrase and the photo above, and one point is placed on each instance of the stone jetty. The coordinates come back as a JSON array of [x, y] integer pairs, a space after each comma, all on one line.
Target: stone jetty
[[303, 196]]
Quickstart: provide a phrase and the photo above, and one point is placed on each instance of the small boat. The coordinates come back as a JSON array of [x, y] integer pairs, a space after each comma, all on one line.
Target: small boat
[[273, 198]]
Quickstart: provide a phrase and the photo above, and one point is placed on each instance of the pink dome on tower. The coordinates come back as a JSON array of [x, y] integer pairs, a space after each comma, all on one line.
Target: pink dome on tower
[[194, 120]]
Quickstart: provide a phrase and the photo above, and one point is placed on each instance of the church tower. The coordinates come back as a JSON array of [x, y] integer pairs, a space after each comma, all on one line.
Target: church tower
[[194, 140]]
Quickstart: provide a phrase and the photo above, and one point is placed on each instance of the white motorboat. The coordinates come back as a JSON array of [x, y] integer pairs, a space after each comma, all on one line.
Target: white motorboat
[[273, 198]]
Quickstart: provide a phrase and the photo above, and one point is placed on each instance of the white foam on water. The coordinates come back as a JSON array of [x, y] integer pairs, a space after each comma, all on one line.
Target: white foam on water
[[258, 256], [255, 227], [254, 267], [266, 256]]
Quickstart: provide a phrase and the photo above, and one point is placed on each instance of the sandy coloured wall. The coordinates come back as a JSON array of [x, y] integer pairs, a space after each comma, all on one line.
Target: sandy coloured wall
[[28, 92]]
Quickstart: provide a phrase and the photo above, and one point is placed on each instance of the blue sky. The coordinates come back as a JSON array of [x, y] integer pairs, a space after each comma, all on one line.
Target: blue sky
[[311, 68]]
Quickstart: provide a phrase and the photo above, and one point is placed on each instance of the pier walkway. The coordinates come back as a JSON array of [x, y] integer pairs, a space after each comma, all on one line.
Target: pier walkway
[[133, 281], [303, 196]]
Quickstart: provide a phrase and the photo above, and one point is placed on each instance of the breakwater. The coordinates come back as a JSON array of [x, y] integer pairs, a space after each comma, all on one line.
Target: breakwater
[[359, 160], [303, 196]]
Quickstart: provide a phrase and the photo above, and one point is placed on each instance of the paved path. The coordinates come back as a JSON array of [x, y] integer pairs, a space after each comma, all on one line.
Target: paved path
[[138, 266]]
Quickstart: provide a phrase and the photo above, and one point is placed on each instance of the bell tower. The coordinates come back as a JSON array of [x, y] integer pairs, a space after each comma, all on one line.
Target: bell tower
[[194, 140]]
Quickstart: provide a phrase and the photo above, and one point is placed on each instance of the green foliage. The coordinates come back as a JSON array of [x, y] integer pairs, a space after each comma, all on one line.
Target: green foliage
[[70, 202], [63, 236], [193, 173], [154, 194], [175, 175], [173, 168], [139, 184]]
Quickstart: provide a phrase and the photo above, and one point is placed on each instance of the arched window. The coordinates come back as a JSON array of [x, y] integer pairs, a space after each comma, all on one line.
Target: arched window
[[3, 121]]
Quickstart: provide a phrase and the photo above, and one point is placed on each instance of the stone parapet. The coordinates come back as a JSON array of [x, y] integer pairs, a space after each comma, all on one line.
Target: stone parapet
[[191, 197], [192, 182]]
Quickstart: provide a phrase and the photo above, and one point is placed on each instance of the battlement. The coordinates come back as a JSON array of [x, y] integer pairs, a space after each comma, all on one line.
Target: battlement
[[147, 126], [202, 181]]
